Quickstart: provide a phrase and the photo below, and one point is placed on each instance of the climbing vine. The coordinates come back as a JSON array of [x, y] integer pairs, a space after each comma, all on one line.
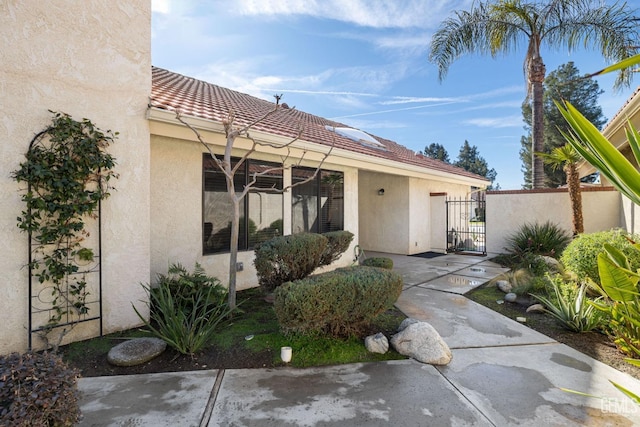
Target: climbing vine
[[67, 173]]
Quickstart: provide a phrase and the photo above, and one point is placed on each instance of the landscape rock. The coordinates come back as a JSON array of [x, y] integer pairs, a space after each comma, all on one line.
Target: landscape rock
[[377, 343], [422, 342], [504, 286], [551, 262], [510, 297], [406, 322], [136, 351], [535, 308]]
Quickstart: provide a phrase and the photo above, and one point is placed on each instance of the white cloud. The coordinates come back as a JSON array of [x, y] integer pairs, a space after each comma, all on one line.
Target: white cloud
[[375, 124], [394, 110], [496, 122], [365, 13], [161, 6], [413, 100]]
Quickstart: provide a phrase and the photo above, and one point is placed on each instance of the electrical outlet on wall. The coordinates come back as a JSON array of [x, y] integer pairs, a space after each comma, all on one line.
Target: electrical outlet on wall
[[239, 266]]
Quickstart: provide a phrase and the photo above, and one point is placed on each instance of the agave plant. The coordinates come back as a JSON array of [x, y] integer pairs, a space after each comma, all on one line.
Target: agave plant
[[573, 312]]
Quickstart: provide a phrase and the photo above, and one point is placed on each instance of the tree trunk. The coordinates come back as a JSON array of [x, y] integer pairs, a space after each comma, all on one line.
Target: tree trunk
[[536, 78], [573, 183], [233, 256]]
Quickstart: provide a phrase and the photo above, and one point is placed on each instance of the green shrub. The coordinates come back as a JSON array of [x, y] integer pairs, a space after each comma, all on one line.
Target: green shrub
[[581, 256], [185, 287], [521, 281], [338, 303], [381, 262], [539, 239], [186, 309], [286, 258], [337, 243], [37, 389]]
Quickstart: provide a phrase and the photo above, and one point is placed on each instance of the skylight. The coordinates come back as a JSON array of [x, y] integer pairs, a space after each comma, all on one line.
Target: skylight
[[357, 135]]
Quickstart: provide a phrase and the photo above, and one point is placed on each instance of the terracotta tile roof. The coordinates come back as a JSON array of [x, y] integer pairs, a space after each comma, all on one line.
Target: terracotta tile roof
[[192, 97]]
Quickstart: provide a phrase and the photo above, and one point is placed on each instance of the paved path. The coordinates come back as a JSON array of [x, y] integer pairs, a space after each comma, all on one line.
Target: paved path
[[502, 374]]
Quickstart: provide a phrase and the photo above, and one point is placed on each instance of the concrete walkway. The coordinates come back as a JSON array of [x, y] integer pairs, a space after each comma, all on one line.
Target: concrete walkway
[[502, 374]]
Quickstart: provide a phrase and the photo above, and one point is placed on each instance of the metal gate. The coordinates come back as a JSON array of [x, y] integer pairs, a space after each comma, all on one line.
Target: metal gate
[[466, 230]]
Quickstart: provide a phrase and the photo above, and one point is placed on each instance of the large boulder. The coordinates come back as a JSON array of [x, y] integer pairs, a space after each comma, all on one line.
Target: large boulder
[[422, 342], [136, 351]]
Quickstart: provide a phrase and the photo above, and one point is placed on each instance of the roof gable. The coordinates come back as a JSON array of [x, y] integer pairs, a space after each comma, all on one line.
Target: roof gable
[[192, 97]]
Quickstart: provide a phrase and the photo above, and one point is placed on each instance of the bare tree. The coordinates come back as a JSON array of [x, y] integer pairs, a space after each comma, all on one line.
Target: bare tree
[[237, 195]]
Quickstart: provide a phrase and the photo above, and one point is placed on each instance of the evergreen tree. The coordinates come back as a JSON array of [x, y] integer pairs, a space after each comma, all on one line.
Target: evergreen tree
[[437, 151], [563, 84], [470, 160]]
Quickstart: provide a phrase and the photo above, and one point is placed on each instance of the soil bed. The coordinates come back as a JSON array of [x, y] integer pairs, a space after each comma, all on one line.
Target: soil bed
[[91, 356]]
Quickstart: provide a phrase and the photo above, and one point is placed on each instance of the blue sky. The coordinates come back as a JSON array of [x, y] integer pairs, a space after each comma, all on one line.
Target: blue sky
[[363, 63]]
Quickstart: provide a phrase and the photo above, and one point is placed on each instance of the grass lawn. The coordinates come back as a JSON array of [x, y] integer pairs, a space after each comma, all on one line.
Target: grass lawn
[[252, 339]]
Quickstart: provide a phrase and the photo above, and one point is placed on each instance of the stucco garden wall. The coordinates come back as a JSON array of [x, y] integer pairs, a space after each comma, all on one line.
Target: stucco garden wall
[[508, 210], [176, 209], [88, 59]]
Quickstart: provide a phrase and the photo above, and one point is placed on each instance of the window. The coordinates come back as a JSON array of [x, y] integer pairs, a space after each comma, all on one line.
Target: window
[[324, 195], [358, 136], [263, 207]]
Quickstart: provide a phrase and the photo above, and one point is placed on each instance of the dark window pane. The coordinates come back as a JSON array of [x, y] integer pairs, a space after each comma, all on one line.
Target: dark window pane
[[332, 201], [324, 195], [262, 206], [218, 208], [265, 206], [304, 200]]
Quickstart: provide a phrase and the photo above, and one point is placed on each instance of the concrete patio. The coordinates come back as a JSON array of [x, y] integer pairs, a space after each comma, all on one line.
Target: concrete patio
[[502, 373]]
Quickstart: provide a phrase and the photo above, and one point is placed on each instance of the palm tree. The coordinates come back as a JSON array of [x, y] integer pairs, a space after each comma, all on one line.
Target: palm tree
[[567, 158], [500, 26]]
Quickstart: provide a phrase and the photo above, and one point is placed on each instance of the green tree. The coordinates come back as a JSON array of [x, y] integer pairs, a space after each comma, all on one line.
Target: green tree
[[437, 151], [500, 26], [225, 164], [567, 84], [470, 160], [567, 158]]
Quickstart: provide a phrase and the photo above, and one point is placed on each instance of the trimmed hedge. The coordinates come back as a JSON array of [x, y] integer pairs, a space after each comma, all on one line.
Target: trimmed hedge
[[581, 255], [338, 303], [381, 262], [286, 258], [338, 242], [38, 389]]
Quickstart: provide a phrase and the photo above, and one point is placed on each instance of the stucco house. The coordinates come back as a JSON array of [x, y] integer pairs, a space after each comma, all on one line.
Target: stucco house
[[373, 187], [93, 60]]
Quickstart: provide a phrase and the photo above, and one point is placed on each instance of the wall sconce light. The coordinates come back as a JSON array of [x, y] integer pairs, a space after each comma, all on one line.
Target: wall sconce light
[[381, 192]]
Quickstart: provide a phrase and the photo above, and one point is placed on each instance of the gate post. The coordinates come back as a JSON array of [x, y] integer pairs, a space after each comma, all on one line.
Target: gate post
[[438, 216]]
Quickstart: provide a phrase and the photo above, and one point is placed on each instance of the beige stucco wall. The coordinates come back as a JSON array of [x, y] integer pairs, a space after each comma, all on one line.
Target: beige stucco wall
[[176, 205], [89, 59], [507, 211], [400, 221], [384, 219], [630, 213]]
